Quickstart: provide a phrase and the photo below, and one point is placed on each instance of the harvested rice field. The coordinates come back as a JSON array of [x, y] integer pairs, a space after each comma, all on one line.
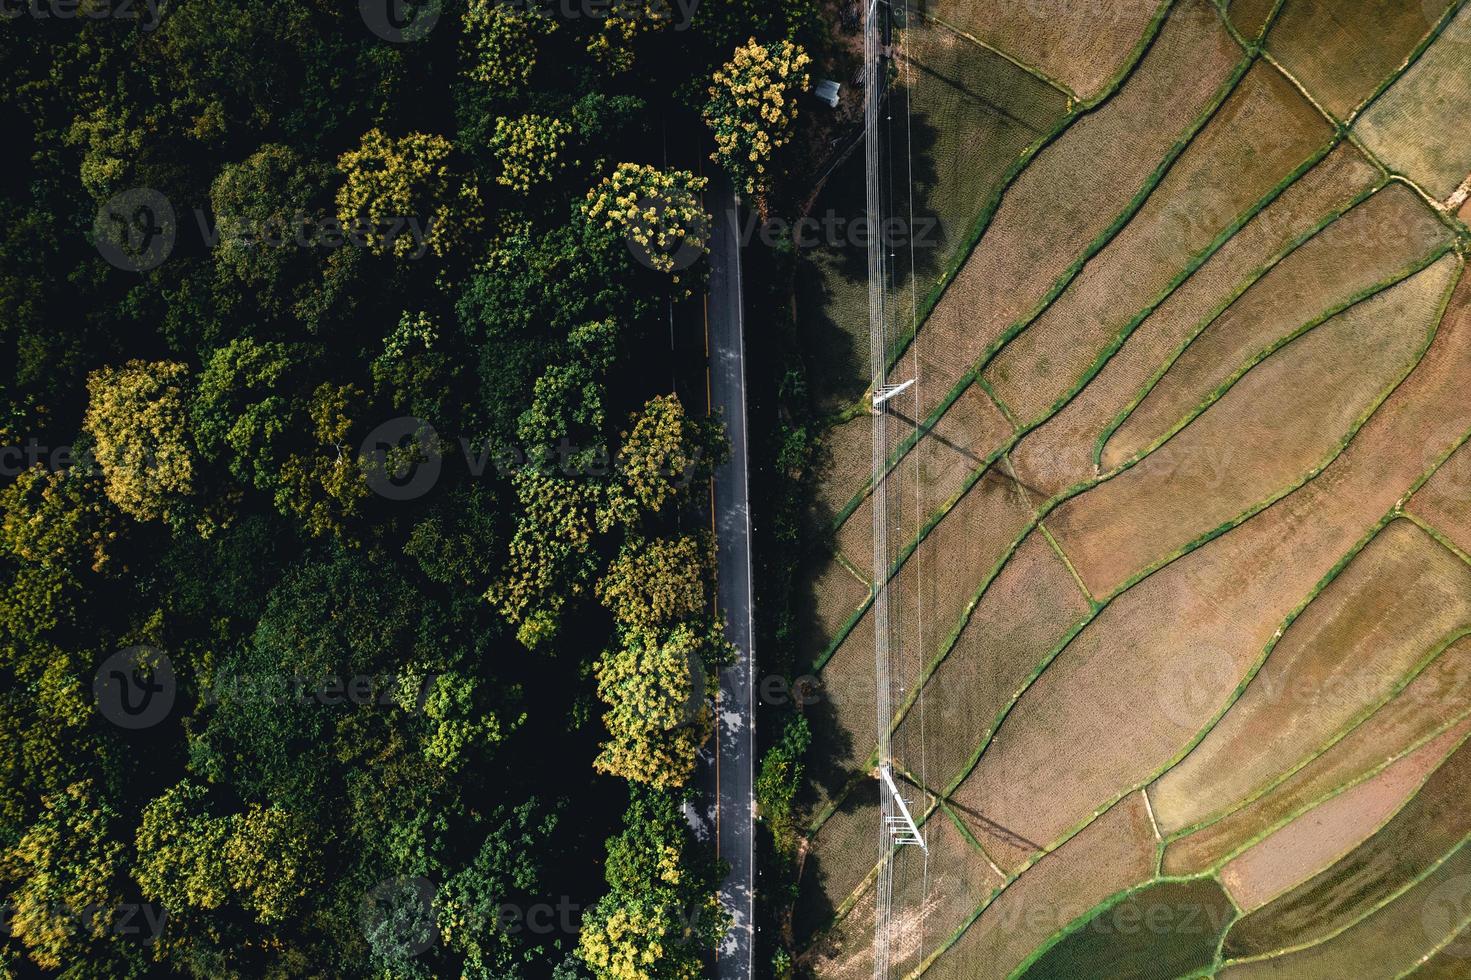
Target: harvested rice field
[[1344, 51], [1420, 127], [1178, 509]]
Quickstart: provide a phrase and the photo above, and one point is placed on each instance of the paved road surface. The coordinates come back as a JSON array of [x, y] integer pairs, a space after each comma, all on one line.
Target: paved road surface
[[735, 748]]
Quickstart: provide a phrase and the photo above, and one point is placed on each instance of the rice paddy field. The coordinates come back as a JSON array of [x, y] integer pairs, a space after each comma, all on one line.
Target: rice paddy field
[[1180, 503]]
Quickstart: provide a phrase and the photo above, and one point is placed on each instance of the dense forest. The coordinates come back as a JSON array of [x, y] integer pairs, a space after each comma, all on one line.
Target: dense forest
[[349, 595]]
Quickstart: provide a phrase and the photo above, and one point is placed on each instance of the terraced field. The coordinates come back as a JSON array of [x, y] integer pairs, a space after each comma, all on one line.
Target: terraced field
[[1182, 501]]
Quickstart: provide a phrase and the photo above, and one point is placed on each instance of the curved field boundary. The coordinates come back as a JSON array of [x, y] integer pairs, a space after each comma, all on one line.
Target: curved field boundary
[[1081, 922], [1363, 296], [1245, 287], [1032, 70], [1349, 729], [1396, 514], [1099, 364], [1376, 907], [1424, 477], [988, 212], [1067, 640], [1328, 579], [1242, 518], [1433, 960], [1051, 504], [1097, 606], [1415, 56], [1363, 777]]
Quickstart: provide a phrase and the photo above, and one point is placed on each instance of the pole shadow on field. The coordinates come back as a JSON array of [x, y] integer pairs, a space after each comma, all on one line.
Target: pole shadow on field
[[1005, 833]]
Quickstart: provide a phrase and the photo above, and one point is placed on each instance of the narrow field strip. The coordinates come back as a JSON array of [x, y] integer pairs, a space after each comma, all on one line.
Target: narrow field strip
[[1320, 280], [991, 457], [1222, 240], [1149, 511], [986, 591], [1336, 767], [1329, 832], [1062, 452], [1092, 822], [1455, 862], [1048, 215]]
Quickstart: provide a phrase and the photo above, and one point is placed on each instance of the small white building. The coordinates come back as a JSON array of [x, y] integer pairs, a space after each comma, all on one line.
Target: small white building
[[828, 91]]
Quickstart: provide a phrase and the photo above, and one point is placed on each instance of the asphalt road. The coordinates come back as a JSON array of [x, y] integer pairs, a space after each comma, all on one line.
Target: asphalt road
[[735, 736]]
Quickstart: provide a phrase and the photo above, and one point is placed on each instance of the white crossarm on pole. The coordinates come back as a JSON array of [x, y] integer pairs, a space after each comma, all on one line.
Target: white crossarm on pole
[[905, 822], [884, 392]]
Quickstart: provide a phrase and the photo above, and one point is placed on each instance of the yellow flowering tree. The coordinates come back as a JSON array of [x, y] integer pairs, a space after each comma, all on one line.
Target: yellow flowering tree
[[527, 149], [752, 107], [68, 875], [658, 212], [138, 417], [656, 680], [662, 912], [391, 182], [658, 717], [500, 44], [625, 22], [667, 454]]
